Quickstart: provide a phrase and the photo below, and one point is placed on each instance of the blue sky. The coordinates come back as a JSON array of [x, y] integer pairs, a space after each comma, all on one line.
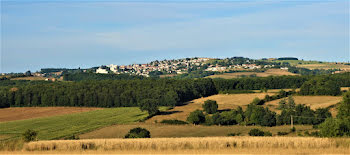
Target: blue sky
[[71, 34]]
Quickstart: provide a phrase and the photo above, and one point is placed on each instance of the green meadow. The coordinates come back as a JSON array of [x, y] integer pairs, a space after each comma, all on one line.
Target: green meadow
[[57, 127]]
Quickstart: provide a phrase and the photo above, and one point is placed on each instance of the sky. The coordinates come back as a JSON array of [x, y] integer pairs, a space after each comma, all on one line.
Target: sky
[[86, 33]]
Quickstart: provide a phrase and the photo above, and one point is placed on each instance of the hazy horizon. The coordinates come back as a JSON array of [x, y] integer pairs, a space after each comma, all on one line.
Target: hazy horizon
[[72, 34]]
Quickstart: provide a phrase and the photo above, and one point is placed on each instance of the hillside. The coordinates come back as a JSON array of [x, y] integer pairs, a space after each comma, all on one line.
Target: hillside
[[269, 72]]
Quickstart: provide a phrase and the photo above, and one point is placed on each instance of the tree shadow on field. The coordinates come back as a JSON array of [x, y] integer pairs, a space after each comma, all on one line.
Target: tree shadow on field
[[183, 104], [168, 112]]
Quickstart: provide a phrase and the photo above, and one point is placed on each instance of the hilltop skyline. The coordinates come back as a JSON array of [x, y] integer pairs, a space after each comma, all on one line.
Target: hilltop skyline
[[72, 34]]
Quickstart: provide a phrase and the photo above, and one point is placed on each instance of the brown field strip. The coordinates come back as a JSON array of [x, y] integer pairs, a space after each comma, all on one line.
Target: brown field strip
[[159, 130], [197, 145], [270, 72], [20, 113], [224, 101]]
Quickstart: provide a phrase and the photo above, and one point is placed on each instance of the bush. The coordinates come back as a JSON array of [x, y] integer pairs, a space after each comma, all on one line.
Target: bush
[[196, 117], [267, 133], [256, 132], [138, 133], [174, 121], [72, 137], [292, 129], [233, 134], [29, 135], [210, 106], [282, 133]]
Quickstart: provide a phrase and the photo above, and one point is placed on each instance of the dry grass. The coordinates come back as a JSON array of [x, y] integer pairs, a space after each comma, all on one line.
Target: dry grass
[[163, 130], [32, 78], [326, 66], [197, 145], [270, 72], [224, 101], [20, 113], [313, 101]]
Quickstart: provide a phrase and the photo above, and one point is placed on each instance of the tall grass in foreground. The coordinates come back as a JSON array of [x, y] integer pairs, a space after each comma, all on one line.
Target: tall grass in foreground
[[183, 144]]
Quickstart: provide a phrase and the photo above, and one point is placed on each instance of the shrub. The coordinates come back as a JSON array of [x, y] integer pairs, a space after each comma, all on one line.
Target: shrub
[[196, 117], [29, 135], [138, 133], [292, 129], [267, 133], [282, 133], [72, 137], [256, 132], [210, 106], [174, 121], [233, 134]]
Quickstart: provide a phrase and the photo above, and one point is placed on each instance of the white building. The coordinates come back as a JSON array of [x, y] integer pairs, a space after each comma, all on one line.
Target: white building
[[101, 71]]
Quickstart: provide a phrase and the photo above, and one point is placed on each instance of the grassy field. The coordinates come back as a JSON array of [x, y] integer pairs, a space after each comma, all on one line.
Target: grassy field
[[313, 101], [159, 130], [56, 127], [270, 72], [216, 145], [20, 113], [224, 101]]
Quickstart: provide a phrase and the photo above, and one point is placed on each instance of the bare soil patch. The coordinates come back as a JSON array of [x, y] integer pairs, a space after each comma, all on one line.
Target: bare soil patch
[[20, 113]]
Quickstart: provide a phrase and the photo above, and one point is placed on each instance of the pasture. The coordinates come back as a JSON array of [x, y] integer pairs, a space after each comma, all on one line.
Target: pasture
[[195, 145], [20, 113], [56, 127], [270, 72]]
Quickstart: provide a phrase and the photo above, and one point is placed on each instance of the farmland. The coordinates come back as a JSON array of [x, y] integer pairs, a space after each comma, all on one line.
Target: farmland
[[56, 127], [159, 130], [270, 72], [20, 113], [225, 102], [196, 145]]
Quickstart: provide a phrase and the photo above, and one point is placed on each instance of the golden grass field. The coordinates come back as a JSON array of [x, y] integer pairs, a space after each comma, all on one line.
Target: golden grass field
[[270, 72], [313, 101], [33, 78], [20, 113], [326, 66], [224, 101], [159, 130], [241, 144]]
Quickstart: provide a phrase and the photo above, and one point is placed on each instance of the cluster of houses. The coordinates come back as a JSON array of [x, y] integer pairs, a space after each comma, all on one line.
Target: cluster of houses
[[179, 66], [237, 67]]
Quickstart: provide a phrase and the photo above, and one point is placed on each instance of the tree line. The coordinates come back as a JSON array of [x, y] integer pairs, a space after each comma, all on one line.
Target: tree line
[[106, 93]]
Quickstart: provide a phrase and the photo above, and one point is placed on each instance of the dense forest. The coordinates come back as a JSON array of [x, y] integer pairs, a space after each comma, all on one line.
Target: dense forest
[[106, 93], [127, 90]]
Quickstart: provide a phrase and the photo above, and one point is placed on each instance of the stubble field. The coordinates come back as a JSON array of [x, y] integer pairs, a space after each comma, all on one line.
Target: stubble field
[[284, 145]]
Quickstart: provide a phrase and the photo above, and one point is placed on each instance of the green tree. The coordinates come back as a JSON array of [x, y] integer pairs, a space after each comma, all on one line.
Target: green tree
[[149, 105], [291, 102], [196, 117], [138, 133], [210, 106]]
